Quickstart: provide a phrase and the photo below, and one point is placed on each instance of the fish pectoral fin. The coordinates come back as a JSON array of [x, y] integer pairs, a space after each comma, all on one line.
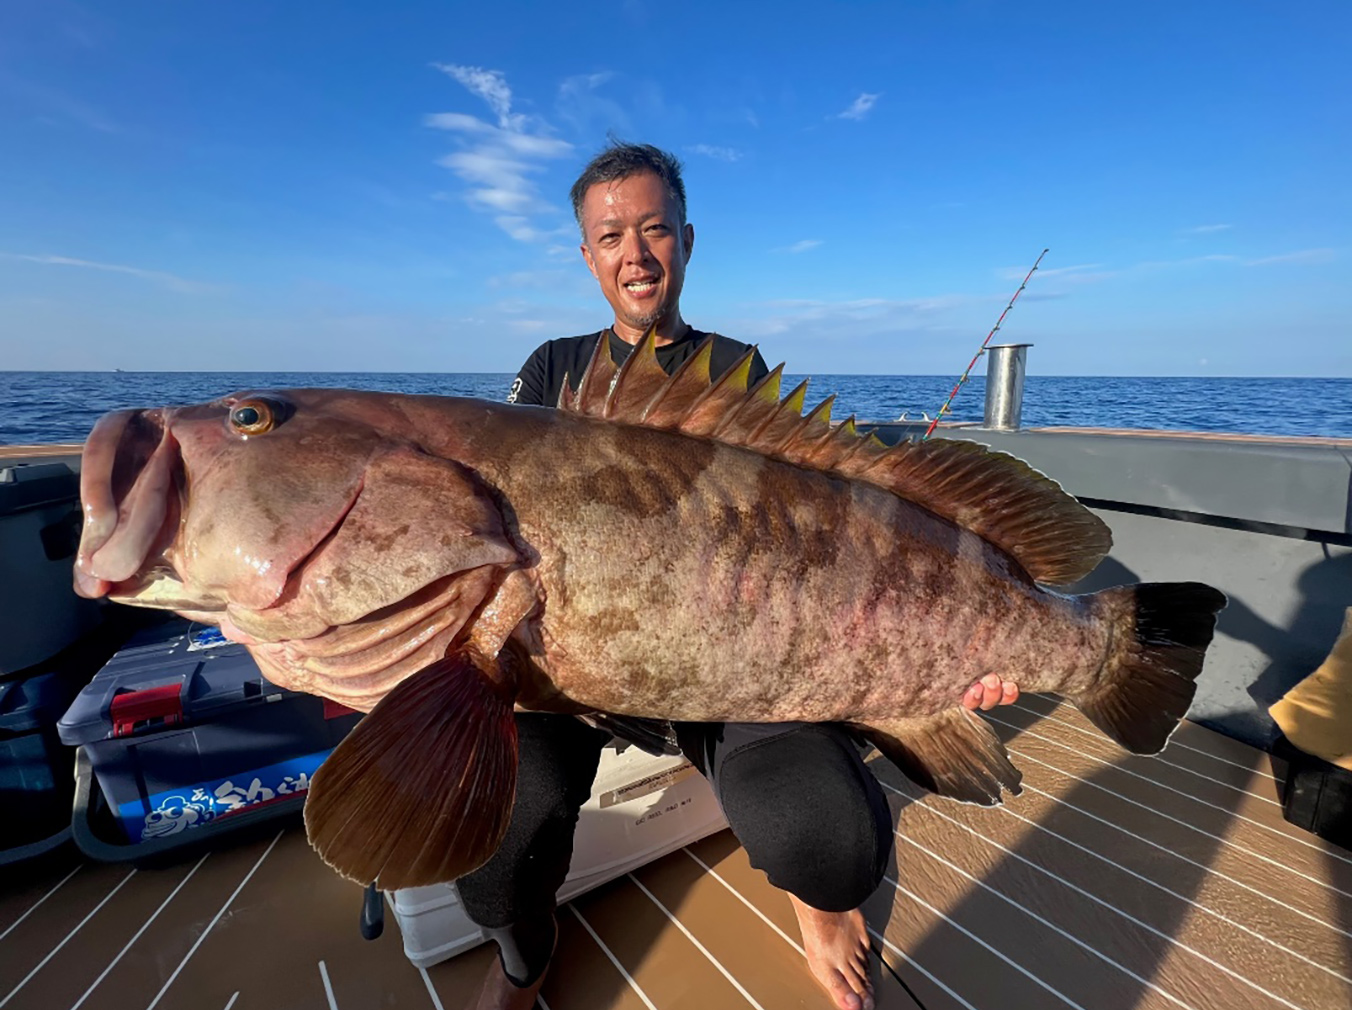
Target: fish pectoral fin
[[421, 791], [955, 754]]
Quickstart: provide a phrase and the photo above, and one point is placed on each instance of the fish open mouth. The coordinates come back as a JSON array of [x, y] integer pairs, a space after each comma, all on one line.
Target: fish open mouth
[[131, 481]]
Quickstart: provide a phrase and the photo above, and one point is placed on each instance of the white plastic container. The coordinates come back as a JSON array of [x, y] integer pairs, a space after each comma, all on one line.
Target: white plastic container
[[641, 808]]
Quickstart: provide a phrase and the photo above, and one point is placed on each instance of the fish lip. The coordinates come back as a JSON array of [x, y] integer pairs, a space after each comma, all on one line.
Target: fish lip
[[113, 498]]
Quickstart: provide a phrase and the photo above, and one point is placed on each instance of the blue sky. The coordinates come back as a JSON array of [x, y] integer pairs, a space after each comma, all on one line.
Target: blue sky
[[383, 187]]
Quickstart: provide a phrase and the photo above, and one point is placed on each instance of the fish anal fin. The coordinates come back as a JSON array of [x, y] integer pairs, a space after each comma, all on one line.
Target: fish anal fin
[[421, 791], [954, 753]]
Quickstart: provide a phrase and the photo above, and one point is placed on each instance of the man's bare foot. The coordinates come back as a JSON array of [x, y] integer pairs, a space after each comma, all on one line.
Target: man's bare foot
[[837, 953], [990, 691], [498, 993]]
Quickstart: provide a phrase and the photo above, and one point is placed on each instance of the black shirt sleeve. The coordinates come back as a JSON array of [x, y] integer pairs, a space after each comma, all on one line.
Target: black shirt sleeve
[[759, 370], [529, 385]]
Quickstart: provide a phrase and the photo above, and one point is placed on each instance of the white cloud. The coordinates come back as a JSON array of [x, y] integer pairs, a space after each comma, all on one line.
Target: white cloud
[[582, 106], [489, 85], [719, 153], [1188, 261], [497, 161], [801, 246], [156, 276], [1069, 273], [522, 230], [1302, 256], [850, 318], [861, 106], [1207, 229]]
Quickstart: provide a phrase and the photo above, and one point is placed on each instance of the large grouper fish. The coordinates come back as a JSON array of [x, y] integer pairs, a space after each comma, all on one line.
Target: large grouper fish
[[676, 548]]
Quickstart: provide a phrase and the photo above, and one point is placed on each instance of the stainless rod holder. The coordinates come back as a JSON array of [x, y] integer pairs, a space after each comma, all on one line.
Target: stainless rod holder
[[1004, 386]]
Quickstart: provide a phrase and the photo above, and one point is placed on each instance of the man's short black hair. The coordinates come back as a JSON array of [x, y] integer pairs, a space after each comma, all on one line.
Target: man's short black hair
[[620, 161]]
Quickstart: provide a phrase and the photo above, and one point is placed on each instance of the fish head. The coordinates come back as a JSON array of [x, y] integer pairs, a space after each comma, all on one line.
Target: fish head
[[311, 499]]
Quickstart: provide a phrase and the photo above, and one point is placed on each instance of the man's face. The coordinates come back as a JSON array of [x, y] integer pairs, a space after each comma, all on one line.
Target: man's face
[[636, 248]]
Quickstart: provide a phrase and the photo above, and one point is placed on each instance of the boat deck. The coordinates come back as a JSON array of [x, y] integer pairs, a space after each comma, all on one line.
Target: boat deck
[[1112, 883]]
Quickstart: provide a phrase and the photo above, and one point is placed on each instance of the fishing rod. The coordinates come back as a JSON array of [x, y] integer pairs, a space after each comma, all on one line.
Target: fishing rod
[[982, 350]]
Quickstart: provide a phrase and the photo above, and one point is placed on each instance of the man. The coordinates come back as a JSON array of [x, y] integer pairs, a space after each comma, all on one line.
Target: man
[[798, 796]]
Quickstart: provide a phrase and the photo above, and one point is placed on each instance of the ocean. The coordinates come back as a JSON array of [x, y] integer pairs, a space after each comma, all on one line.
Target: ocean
[[46, 407]]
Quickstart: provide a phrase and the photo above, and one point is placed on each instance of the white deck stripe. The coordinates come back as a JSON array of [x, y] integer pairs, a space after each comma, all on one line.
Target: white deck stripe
[[1048, 923], [897, 950], [1294, 839], [67, 940], [41, 900], [1191, 827], [693, 939], [1216, 757], [431, 989], [1131, 918], [541, 1000], [798, 947], [1098, 736], [328, 986], [998, 953], [232, 1001], [1173, 742], [113, 963], [738, 895], [212, 925], [1165, 849], [919, 800], [613, 959]]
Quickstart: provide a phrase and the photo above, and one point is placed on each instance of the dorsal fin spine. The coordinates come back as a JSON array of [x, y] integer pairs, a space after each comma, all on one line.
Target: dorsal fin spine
[[1002, 499]]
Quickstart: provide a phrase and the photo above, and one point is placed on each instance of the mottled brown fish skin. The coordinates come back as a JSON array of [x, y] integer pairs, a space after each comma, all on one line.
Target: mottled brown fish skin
[[708, 582]]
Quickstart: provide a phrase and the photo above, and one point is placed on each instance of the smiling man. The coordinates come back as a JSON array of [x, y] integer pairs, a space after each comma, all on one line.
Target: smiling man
[[798, 796], [630, 205]]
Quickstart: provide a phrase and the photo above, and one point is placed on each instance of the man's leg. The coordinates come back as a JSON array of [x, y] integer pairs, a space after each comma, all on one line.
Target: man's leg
[[512, 895], [812, 816]]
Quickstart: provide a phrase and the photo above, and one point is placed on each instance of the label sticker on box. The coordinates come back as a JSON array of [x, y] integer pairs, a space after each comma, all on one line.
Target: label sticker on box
[[177, 810], [207, 638], [648, 784]]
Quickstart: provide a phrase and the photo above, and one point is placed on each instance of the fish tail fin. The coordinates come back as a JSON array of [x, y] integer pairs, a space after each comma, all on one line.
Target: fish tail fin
[[1149, 677], [421, 791]]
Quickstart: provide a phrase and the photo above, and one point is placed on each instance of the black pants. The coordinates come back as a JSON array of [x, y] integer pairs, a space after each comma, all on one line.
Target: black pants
[[797, 796]]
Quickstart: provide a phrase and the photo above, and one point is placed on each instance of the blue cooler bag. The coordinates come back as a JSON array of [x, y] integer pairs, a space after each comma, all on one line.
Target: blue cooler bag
[[187, 738]]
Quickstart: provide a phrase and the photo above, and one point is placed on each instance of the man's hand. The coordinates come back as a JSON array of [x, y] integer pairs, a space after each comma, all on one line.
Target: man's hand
[[990, 691]]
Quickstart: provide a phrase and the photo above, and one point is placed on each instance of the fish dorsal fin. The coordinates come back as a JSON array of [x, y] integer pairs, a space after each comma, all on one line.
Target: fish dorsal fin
[[597, 381], [995, 495], [638, 381]]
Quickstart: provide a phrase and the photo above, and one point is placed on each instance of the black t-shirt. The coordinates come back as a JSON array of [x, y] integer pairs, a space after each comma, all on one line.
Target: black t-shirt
[[540, 380]]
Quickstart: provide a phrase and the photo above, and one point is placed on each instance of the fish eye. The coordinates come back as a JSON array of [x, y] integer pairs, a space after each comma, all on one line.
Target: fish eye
[[253, 417]]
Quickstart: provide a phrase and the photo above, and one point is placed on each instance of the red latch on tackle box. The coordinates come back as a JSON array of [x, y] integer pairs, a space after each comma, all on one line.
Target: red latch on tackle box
[[130, 709]]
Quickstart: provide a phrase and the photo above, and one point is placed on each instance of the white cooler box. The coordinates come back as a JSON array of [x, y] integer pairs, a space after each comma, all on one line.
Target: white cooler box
[[641, 808]]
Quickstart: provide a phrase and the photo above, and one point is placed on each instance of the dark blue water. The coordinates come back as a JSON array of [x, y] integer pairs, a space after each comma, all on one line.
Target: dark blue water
[[37, 407]]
